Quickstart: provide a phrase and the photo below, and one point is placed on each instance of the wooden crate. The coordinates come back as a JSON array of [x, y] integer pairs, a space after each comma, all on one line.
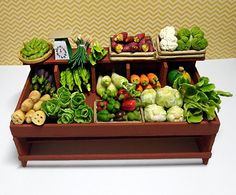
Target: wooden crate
[[131, 56], [166, 55]]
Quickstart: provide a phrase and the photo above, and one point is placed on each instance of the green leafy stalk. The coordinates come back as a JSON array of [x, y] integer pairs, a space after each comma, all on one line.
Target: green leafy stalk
[[200, 100]]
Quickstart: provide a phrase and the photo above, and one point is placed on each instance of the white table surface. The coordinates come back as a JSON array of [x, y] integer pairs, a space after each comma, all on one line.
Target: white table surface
[[122, 177]]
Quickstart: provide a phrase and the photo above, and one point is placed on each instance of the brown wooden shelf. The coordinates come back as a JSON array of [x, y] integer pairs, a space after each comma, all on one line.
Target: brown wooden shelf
[[141, 140]]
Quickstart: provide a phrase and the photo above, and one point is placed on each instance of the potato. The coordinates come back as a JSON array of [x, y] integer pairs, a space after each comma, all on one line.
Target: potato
[[35, 95], [18, 117], [37, 106], [27, 105], [45, 97], [29, 115]]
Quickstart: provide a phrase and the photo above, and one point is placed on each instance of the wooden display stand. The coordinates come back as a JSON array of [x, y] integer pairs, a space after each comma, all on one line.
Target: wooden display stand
[[141, 140]]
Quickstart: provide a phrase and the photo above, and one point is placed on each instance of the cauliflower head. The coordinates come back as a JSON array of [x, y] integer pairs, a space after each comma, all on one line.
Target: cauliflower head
[[168, 97], [175, 114], [154, 112]]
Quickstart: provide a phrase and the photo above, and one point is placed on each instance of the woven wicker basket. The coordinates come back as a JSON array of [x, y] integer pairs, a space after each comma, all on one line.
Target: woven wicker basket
[[38, 60]]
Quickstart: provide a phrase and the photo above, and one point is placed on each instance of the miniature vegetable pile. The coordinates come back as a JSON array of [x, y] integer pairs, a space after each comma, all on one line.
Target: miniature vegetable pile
[[80, 56], [119, 102], [183, 39], [201, 100], [191, 39], [145, 81], [168, 39], [76, 80], [122, 42], [162, 104], [35, 48], [68, 108], [97, 53], [30, 111], [43, 81]]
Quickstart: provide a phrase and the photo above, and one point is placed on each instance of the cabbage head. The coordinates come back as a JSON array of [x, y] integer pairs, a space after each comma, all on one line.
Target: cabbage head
[[168, 97]]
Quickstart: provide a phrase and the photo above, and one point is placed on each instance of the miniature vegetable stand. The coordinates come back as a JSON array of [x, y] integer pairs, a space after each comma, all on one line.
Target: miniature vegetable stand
[[107, 121]]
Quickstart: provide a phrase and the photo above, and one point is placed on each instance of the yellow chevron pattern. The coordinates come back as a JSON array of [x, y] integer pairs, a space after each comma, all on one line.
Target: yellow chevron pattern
[[23, 20]]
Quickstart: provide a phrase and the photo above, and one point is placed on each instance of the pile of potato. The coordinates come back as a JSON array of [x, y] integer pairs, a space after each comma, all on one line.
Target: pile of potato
[[30, 111]]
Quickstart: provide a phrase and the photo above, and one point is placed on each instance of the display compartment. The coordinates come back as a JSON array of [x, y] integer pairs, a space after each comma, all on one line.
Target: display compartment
[[141, 140], [168, 55]]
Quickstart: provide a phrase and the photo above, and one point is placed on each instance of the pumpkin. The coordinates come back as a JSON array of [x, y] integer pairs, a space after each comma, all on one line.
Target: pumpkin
[[176, 73]]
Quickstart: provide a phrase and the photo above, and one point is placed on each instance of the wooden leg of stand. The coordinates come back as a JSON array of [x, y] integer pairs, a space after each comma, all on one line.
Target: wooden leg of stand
[[205, 161]]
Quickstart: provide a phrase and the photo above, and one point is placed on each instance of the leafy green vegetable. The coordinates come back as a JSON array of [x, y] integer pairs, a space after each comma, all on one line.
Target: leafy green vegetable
[[201, 100], [51, 107], [83, 114], [65, 116], [63, 78], [77, 79], [76, 100], [67, 107], [69, 79], [63, 96], [85, 75], [97, 53]]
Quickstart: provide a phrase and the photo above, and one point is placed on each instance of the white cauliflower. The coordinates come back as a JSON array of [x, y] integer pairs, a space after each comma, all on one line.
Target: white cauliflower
[[154, 112], [168, 39], [167, 31], [175, 114]]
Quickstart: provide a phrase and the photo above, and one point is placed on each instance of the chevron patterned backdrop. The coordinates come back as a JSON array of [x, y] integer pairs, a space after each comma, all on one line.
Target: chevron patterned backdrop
[[23, 20]]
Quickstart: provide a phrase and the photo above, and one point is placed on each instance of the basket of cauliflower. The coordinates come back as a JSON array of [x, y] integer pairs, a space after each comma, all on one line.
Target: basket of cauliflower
[[184, 43]]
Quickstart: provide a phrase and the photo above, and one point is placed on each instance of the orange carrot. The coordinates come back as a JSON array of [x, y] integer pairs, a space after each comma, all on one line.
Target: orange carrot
[[152, 78], [144, 80], [149, 86], [139, 88], [135, 79]]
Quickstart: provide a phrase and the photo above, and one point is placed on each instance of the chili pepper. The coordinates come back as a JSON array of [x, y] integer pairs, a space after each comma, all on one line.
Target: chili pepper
[[123, 94], [129, 105], [101, 105], [104, 116], [113, 105], [134, 116]]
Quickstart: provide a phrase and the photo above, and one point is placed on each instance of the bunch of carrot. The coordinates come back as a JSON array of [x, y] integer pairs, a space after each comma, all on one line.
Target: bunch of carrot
[[145, 81]]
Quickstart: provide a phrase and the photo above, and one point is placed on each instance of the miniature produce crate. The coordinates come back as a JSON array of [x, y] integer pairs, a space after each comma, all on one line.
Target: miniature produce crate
[[97, 141], [167, 55], [131, 56]]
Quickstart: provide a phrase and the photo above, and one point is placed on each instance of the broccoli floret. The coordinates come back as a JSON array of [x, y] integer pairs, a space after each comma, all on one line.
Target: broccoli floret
[[183, 32], [197, 32], [199, 43], [184, 39], [188, 45], [183, 46]]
